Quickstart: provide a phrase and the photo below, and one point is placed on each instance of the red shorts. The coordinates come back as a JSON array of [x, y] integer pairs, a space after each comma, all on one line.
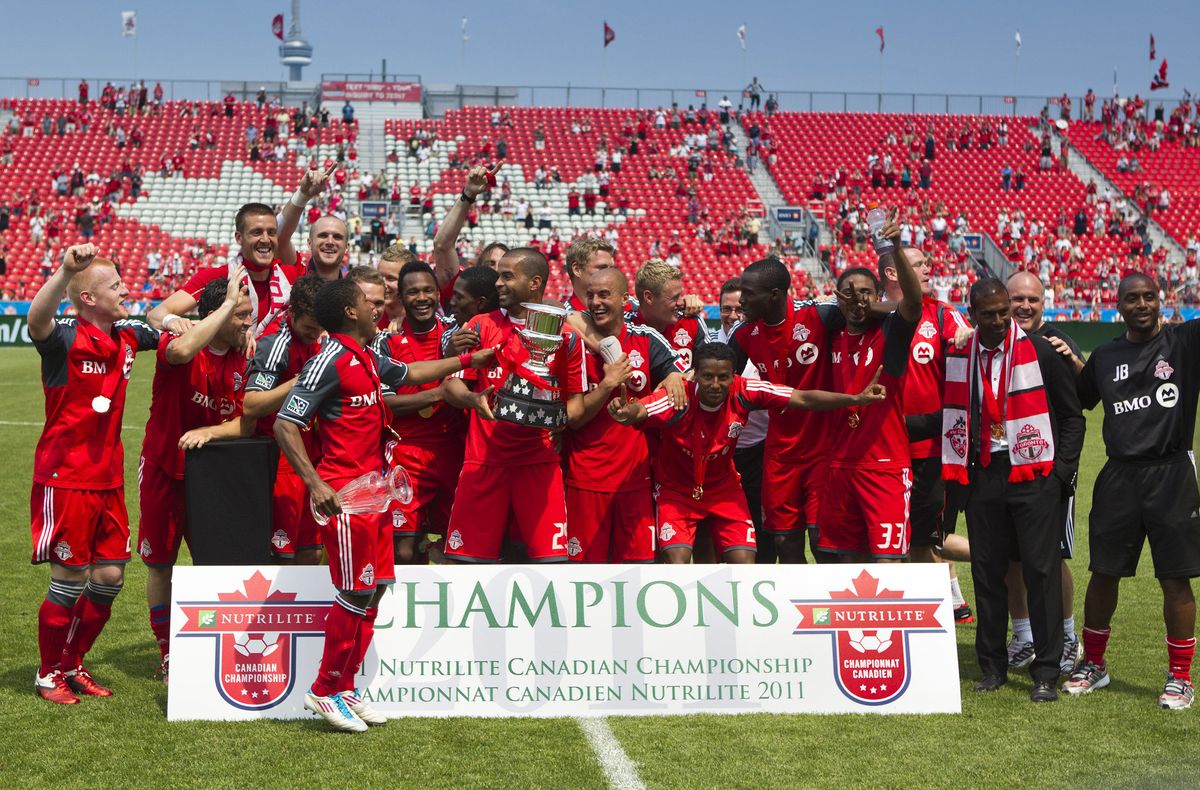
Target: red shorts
[[865, 511], [791, 493], [295, 529], [610, 527], [433, 471], [76, 528], [163, 523], [725, 512], [492, 501], [359, 548]]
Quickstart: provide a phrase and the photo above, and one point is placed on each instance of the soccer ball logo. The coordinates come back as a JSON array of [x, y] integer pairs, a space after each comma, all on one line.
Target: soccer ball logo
[[256, 645], [875, 642]]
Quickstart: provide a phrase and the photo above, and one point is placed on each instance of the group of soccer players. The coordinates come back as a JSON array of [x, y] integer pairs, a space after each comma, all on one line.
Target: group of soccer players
[[400, 365]]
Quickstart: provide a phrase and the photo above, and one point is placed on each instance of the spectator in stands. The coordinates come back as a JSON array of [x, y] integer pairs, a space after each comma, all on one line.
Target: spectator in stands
[[926, 173], [1019, 179], [723, 108], [347, 113], [754, 92], [1006, 174], [539, 138]]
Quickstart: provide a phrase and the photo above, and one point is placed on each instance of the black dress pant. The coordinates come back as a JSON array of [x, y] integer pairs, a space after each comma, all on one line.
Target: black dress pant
[[1015, 521]]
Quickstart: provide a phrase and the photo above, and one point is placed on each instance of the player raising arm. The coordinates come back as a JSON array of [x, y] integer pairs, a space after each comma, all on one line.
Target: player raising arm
[[77, 506], [693, 469]]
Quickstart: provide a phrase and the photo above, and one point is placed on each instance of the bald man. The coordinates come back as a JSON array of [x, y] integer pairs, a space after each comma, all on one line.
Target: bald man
[[1027, 296], [327, 237]]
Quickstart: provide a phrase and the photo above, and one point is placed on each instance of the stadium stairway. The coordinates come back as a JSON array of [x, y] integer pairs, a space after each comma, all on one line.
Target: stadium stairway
[[1085, 171]]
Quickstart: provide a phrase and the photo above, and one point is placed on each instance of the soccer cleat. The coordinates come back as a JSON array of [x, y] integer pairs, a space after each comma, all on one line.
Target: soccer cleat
[[362, 709], [1086, 678], [1070, 657], [164, 669], [1020, 654], [963, 614], [1177, 694], [333, 710], [54, 688], [81, 682]]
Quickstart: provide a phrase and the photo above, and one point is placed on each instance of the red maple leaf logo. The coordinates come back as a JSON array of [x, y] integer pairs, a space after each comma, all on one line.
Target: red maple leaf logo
[[865, 586], [257, 588]]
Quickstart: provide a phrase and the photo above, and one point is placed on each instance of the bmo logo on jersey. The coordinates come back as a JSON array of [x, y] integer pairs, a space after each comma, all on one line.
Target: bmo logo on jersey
[[360, 401], [93, 367], [870, 627], [1167, 395], [222, 405], [923, 353], [1131, 404], [254, 632]]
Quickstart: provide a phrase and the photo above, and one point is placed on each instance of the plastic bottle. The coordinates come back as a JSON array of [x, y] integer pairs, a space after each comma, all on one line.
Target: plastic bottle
[[876, 218]]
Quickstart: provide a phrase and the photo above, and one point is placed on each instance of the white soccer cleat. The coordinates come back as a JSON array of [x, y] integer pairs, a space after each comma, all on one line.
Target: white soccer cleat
[[361, 708], [1086, 678], [1177, 694], [333, 710]]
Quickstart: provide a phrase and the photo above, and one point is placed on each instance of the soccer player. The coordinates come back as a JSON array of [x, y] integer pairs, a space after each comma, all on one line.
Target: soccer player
[[585, 257], [1148, 382], [327, 237], [432, 433], [474, 293], [270, 280], [1013, 432], [660, 305], [197, 382], [864, 508], [695, 481], [785, 340], [610, 513], [394, 259], [446, 263], [749, 456], [512, 473], [77, 505], [343, 387], [939, 328], [1027, 295]]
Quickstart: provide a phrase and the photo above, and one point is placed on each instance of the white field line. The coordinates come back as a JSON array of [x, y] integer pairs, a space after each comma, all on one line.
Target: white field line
[[618, 768]]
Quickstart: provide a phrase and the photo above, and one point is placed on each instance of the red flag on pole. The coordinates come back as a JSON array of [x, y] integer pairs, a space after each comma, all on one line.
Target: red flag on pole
[[609, 35], [879, 32], [277, 26], [1152, 55], [1159, 80]]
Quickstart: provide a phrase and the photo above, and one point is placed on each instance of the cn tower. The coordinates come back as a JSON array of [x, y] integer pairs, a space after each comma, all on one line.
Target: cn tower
[[295, 52]]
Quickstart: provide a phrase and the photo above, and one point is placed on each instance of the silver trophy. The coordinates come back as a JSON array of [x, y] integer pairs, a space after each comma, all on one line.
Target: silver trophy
[[522, 399]]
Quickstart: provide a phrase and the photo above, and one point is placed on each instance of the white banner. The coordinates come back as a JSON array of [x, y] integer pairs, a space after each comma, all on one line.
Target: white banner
[[577, 640]]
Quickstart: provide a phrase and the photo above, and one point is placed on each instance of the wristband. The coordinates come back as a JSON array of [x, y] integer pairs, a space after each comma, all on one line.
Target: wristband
[[167, 319], [299, 199], [464, 360], [465, 198]]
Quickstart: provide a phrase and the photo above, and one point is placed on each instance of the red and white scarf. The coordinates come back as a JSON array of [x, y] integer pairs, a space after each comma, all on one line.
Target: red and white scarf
[[1020, 406], [280, 292]]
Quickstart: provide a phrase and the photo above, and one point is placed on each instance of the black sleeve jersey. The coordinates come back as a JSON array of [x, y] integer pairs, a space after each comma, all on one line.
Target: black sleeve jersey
[[1148, 390]]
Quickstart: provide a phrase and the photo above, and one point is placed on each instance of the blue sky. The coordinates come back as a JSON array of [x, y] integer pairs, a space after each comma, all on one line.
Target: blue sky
[[935, 47]]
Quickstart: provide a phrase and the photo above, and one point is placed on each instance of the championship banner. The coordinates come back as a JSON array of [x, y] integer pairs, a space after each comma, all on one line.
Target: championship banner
[[577, 640], [371, 91]]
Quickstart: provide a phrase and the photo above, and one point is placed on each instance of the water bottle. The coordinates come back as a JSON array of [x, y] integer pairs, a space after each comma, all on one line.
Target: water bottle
[[876, 218]]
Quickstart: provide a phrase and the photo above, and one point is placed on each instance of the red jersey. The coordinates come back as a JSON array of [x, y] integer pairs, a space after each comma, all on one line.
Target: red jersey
[[791, 354], [269, 296], [80, 447], [278, 358], [711, 435], [576, 304], [434, 424], [500, 443], [879, 438], [604, 455], [343, 387], [204, 391], [927, 371], [685, 335]]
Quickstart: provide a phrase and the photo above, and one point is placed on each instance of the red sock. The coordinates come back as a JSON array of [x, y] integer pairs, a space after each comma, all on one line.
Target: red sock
[[1095, 642], [341, 630], [87, 621], [1179, 657], [160, 625], [53, 621], [362, 642]]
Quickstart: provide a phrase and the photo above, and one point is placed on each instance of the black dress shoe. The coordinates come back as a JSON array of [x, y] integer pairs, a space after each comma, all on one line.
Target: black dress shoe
[[991, 683], [1043, 691]]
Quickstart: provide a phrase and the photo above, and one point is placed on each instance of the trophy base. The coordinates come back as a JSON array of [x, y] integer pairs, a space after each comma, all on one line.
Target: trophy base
[[522, 403]]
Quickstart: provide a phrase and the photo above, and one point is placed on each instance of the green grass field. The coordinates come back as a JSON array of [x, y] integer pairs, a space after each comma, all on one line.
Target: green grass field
[[1114, 738]]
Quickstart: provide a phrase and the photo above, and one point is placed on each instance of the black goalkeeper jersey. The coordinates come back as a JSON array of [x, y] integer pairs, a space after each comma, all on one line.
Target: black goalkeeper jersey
[[1149, 392]]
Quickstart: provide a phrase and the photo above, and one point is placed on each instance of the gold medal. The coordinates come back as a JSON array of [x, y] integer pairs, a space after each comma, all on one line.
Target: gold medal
[[854, 419], [698, 492], [998, 431], [426, 412]]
